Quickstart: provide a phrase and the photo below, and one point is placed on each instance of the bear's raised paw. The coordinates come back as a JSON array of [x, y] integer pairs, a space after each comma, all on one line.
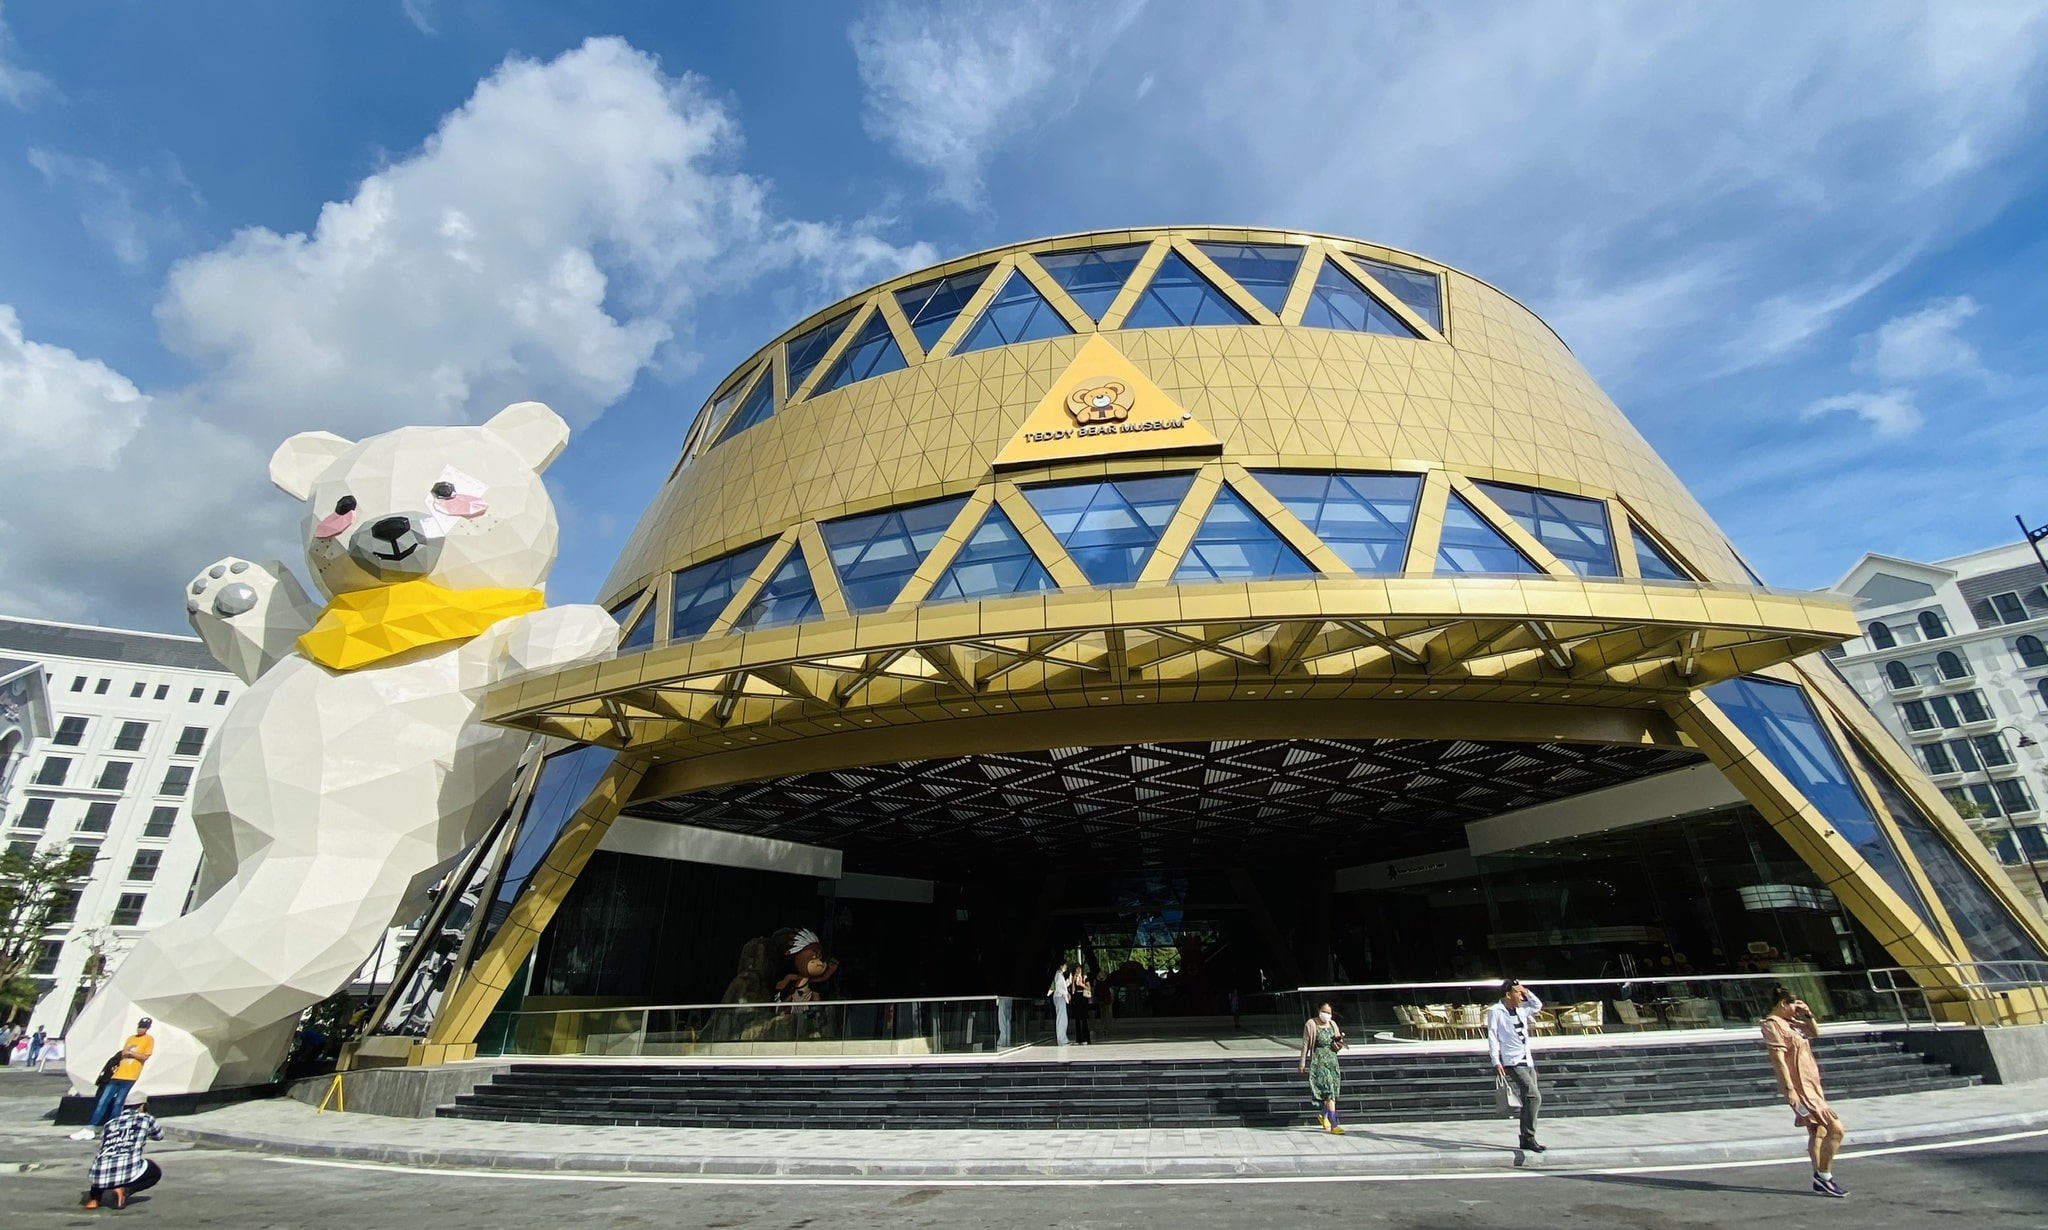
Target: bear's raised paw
[[229, 588]]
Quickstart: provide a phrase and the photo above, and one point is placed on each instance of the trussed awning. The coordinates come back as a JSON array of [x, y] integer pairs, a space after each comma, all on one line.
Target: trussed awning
[[1522, 641]]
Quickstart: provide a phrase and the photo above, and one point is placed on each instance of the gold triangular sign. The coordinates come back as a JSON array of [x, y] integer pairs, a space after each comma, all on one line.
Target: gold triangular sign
[[1102, 405]]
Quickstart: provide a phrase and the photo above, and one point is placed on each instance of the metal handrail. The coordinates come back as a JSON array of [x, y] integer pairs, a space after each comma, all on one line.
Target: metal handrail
[[772, 1003], [1494, 983]]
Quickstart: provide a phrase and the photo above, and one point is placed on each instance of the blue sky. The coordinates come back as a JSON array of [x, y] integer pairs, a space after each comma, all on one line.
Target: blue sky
[[1801, 245]]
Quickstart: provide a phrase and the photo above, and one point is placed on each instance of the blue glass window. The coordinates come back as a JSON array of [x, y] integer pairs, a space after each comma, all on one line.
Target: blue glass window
[[1779, 719], [1264, 269], [1651, 560], [1364, 518], [1469, 544], [566, 780], [931, 306], [1574, 528], [872, 353], [758, 408], [1339, 302], [701, 592], [1759, 581], [714, 412], [1018, 313], [787, 598], [641, 635], [874, 555], [1234, 543], [1110, 528], [1420, 291], [994, 562], [1093, 276], [1178, 295], [806, 350]]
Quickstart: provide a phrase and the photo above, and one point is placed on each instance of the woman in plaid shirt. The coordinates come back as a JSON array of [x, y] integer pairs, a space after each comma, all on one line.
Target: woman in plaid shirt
[[119, 1170]]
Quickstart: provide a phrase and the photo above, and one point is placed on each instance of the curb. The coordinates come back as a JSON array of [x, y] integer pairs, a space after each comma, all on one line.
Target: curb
[[744, 1167]]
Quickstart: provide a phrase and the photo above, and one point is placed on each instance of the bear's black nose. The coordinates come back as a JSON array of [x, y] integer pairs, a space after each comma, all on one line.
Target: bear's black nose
[[391, 529]]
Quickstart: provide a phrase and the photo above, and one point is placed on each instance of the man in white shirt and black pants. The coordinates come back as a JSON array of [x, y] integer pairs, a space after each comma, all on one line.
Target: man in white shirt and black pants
[[1507, 1043]]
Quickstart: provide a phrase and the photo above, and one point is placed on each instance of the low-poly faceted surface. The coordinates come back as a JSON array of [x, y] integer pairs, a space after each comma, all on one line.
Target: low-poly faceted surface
[[340, 789]]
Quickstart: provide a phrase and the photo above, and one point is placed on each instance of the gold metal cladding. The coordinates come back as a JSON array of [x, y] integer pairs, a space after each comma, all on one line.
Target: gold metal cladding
[[1558, 642], [1102, 405], [1492, 396]]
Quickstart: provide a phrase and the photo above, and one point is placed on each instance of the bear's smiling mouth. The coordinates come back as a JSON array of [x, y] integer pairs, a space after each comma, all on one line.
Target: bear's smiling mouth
[[405, 554]]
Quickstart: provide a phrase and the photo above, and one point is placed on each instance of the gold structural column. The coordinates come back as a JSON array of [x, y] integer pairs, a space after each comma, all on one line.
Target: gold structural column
[[462, 1014], [1853, 880]]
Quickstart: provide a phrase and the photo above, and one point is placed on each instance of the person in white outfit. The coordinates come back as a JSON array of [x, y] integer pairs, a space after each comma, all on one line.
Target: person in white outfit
[[1507, 1043], [1062, 988]]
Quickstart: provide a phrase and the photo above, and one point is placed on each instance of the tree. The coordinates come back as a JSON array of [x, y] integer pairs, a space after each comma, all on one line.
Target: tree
[[36, 893]]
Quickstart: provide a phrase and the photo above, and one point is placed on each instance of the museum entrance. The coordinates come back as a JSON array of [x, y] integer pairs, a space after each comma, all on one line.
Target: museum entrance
[[1180, 873]]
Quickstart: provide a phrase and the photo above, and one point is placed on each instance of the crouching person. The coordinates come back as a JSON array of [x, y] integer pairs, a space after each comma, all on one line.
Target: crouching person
[[119, 1171]]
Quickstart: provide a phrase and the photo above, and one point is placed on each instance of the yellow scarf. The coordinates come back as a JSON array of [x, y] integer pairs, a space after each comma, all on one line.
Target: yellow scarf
[[369, 625]]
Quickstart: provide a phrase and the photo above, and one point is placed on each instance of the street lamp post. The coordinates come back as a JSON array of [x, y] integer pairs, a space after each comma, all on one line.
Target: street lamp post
[[2034, 537], [2020, 847]]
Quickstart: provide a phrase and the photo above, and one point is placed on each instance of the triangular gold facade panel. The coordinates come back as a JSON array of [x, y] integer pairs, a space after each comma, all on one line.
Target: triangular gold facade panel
[[1101, 405]]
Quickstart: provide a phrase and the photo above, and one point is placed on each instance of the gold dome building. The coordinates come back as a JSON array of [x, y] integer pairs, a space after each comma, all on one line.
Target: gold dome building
[[1298, 600]]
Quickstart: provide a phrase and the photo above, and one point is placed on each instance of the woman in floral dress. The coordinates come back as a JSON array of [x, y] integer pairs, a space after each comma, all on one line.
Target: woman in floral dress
[[1321, 1041]]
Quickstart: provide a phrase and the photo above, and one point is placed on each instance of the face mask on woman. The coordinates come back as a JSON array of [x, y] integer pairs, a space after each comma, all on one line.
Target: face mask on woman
[[1324, 1017]]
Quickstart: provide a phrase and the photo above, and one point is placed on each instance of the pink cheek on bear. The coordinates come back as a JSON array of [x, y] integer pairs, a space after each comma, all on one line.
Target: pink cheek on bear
[[462, 506], [332, 525]]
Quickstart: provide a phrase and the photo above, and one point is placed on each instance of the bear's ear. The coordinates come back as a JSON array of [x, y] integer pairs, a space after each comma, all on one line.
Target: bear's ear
[[300, 461], [535, 432]]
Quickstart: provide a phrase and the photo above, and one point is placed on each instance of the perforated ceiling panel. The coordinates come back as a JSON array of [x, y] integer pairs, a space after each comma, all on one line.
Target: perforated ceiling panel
[[1177, 804]]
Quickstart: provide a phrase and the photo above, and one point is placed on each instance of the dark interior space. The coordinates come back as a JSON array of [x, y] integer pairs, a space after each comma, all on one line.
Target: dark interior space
[[1186, 805]]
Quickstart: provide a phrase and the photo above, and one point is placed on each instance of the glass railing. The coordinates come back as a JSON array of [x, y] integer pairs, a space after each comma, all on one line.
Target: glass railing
[[877, 1027], [1449, 1011]]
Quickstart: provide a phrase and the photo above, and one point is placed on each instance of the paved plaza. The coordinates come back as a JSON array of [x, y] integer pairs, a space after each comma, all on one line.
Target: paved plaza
[[290, 1128], [1993, 1183]]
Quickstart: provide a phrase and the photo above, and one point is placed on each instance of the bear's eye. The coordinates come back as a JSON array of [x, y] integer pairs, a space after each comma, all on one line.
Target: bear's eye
[[346, 504], [443, 490]]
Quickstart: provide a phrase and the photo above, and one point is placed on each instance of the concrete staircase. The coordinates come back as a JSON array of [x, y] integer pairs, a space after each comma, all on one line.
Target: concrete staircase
[[1381, 1085]]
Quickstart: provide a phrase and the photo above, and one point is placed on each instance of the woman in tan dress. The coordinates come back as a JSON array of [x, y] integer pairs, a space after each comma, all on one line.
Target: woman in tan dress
[[1789, 1031]]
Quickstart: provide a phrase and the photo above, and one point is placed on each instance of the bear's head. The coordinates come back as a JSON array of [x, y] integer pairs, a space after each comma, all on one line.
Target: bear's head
[[463, 507], [1100, 400]]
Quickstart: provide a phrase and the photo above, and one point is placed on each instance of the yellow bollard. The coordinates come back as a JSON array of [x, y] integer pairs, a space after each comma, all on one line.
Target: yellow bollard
[[335, 1095]]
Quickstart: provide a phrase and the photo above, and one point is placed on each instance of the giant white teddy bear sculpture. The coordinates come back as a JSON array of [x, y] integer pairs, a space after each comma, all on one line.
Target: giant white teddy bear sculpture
[[355, 769]]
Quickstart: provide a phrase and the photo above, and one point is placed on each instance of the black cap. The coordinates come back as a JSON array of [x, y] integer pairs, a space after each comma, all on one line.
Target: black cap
[[144, 1023]]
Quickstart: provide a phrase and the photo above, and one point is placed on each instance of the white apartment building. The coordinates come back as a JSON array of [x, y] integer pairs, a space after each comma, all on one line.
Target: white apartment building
[[1954, 660], [129, 715]]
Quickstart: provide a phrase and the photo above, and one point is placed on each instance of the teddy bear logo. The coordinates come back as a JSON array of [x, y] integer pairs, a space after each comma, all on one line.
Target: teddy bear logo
[[1100, 400]]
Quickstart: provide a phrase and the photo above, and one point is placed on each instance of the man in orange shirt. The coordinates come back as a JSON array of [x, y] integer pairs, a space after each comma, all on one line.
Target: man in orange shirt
[[127, 1070]]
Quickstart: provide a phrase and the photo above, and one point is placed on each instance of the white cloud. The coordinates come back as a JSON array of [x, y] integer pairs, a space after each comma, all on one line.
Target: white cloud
[[538, 246], [1891, 413], [59, 412], [547, 241], [1903, 351], [106, 203], [423, 15], [18, 84], [948, 85], [1922, 345], [1563, 157]]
